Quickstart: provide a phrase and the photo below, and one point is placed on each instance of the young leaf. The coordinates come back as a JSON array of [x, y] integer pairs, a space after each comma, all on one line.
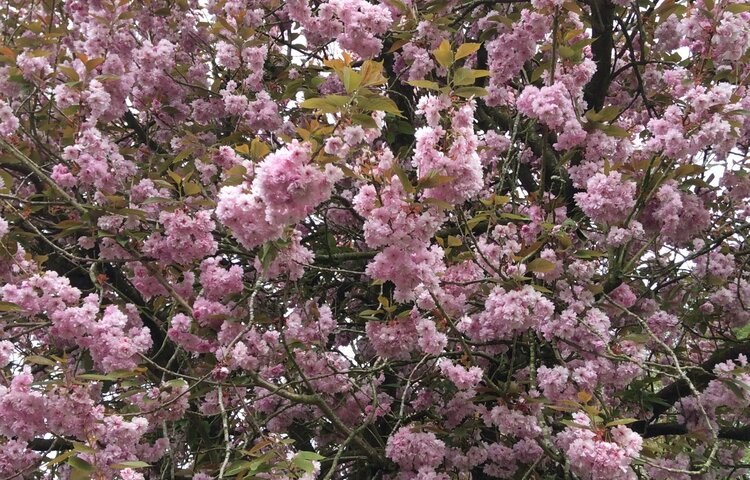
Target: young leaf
[[467, 49], [540, 265], [444, 54]]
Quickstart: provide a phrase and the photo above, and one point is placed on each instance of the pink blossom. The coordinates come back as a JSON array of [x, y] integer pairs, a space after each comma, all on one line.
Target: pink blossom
[[413, 450], [607, 199], [8, 121], [290, 186]]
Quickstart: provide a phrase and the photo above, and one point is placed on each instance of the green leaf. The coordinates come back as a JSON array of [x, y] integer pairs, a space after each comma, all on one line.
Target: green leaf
[[405, 182], [542, 289], [131, 464], [97, 377], [438, 203], [39, 360], [351, 79], [61, 458], [514, 216], [182, 155], [9, 307], [80, 464], [467, 92], [467, 76], [365, 120], [378, 104], [536, 74], [323, 104], [571, 423], [586, 254], [304, 460], [614, 131], [238, 467], [175, 177], [192, 188], [743, 332], [70, 72], [738, 8], [82, 448], [621, 421], [337, 100], [540, 265], [398, 4], [443, 54], [606, 114], [424, 84], [567, 52], [467, 49], [177, 383], [433, 180]]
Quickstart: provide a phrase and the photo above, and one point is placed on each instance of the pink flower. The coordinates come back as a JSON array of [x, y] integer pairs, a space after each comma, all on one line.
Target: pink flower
[[607, 199], [290, 186], [462, 378], [414, 450], [8, 121]]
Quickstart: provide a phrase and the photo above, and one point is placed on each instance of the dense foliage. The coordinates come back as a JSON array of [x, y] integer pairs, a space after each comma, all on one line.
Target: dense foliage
[[385, 239]]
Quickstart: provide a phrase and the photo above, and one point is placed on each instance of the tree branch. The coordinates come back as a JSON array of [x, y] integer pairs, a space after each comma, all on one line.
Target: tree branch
[[602, 16]]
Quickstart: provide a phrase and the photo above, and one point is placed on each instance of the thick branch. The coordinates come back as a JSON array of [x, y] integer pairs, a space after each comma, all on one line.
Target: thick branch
[[699, 376], [664, 429], [602, 16]]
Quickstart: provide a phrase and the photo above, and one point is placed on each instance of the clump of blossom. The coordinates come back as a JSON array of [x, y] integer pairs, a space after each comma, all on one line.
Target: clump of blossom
[[553, 107], [185, 239], [395, 339], [460, 168], [218, 281], [555, 383], [227, 55], [115, 342], [313, 323], [245, 215], [408, 269], [608, 198], [418, 60], [462, 378], [41, 293], [430, 340], [511, 49], [414, 450], [624, 295], [16, 457], [392, 220], [180, 333], [22, 409], [354, 24], [6, 352], [513, 422], [507, 313], [592, 458], [8, 121], [678, 216], [289, 261], [732, 37], [99, 161], [290, 186], [716, 264]]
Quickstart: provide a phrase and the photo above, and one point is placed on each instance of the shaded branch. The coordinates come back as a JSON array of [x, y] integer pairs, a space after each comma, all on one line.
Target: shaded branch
[[664, 429], [700, 377], [602, 17]]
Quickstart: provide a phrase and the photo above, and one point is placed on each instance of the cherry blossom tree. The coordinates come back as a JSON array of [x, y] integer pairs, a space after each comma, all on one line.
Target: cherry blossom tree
[[374, 239]]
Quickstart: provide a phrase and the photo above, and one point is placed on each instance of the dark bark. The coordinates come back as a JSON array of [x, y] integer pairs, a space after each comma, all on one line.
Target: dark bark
[[602, 18]]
